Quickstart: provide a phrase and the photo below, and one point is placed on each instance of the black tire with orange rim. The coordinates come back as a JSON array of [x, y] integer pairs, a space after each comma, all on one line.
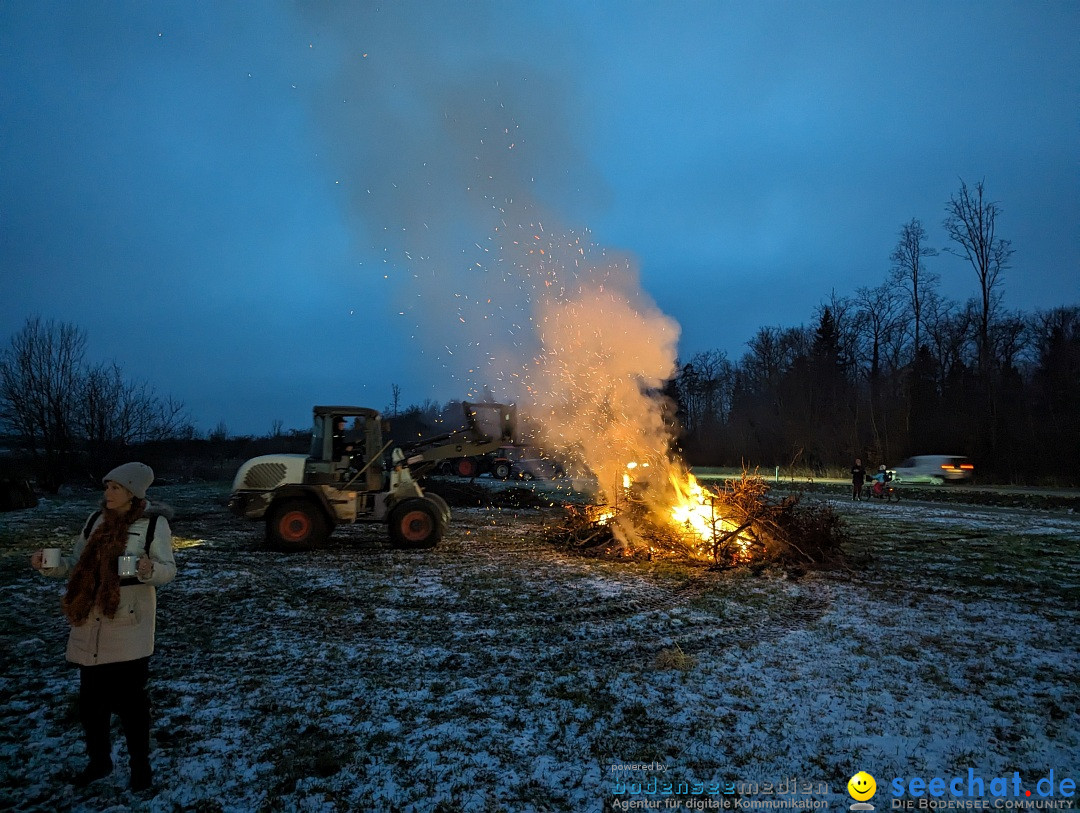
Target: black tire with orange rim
[[296, 524], [415, 523]]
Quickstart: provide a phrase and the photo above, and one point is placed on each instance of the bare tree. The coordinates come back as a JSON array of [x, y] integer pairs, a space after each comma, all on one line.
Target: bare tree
[[879, 320], [1056, 345], [114, 412], [948, 330], [1054, 328], [60, 408], [971, 223], [1009, 339], [909, 270], [771, 353], [708, 379], [40, 375], [688, 395]]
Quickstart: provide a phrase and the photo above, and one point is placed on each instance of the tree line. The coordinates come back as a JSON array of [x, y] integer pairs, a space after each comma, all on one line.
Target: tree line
[[897, 369], [70, 417], [884, 373]]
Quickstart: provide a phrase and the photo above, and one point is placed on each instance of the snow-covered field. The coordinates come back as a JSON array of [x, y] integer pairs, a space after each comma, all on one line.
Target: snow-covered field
[[498, 674]]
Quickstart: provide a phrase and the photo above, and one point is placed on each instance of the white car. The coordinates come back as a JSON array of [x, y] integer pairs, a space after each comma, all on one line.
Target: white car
[[934, 468]]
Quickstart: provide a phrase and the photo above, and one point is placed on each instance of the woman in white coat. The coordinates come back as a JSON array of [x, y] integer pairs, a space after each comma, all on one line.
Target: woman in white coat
[[113, 618]]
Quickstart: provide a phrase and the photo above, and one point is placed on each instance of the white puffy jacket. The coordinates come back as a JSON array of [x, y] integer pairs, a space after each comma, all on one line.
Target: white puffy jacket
[[129, 634]]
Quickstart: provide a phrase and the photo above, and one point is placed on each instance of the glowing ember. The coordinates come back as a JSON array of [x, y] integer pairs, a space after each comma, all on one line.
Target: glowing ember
[[599, 514]]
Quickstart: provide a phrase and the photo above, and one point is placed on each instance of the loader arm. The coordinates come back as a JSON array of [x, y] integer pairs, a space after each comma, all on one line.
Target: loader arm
[[487, 427]]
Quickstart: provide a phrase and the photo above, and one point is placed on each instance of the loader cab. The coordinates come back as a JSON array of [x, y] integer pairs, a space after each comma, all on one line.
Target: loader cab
[[343, 441]]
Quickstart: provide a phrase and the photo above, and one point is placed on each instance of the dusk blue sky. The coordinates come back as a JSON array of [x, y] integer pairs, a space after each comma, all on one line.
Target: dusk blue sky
[[257, 207]]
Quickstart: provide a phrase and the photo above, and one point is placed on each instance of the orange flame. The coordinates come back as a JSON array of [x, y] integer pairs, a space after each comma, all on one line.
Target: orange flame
[[700, 513]]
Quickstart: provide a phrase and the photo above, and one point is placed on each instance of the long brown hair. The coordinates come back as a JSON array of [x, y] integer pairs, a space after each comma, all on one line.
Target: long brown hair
[[94, 579]]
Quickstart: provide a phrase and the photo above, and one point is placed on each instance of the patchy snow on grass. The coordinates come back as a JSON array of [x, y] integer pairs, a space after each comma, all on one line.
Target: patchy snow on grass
[[496, 673]]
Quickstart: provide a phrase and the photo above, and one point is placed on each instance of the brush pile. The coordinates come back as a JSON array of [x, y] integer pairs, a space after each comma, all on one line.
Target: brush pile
[[757, 529]]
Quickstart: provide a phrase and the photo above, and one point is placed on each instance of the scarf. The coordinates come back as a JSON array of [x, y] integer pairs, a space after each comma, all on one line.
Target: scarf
[[95, 580]]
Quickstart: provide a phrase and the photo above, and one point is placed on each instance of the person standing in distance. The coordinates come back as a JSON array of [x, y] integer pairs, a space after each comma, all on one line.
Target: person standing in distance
[[113, 618], [858, 477]]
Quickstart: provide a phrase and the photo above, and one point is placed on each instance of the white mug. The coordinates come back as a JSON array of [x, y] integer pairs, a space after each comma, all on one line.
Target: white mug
[[50, 557], [128, 565]]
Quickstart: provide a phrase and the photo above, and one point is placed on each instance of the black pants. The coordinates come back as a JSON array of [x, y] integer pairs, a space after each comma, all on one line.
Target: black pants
[[118, 688]]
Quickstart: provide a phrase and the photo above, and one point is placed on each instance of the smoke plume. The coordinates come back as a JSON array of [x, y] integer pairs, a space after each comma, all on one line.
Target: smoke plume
[[463, 179]]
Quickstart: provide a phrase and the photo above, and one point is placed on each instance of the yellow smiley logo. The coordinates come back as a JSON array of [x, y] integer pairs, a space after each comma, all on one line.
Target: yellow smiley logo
[[861, 786]]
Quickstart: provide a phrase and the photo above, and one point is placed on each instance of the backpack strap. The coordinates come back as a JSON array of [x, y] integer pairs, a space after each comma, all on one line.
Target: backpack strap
[[90, 525], [150, 533], [150, 529]]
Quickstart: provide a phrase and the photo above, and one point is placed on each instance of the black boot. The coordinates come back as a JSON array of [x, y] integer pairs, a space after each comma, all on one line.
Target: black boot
[[134, 710]]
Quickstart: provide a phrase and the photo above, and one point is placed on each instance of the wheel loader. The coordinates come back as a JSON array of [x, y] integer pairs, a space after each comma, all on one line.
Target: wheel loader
[[344, 479]]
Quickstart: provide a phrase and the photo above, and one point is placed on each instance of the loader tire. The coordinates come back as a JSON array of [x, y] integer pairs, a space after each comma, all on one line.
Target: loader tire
[[502, 471], [415, 523], [296, 525]]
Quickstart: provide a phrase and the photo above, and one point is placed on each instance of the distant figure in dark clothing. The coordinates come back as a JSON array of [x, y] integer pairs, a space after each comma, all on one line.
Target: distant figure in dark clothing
[[858, 477], [346, 450], [342, 447]]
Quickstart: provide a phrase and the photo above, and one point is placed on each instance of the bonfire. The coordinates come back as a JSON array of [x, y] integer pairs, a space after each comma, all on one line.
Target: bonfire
[[735, 524], [595, 393]]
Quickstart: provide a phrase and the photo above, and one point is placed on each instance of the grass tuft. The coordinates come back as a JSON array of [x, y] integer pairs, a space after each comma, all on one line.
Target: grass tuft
[[674, 658]]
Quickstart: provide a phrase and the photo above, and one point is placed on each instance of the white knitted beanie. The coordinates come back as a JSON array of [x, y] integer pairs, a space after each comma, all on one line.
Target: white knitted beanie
[[135, 477]]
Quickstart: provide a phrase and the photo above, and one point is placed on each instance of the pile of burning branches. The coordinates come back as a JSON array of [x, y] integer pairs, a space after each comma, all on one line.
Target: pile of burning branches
[[736, 524]]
